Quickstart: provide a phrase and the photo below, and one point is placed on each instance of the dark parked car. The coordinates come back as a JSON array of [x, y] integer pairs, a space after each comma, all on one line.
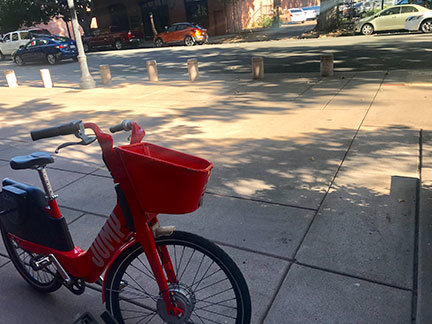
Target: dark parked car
[[182, 33], [112, 37], [50, 49]]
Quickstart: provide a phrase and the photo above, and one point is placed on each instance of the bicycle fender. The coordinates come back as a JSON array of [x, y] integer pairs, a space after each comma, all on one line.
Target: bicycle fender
[[113, 259]]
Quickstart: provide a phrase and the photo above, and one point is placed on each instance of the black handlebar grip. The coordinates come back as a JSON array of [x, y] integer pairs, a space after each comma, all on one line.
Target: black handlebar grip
[[65, 129], [116, 128], [126, 125]]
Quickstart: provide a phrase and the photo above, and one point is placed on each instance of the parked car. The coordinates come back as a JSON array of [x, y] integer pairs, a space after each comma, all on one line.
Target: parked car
[[113, 37], [181, 33], [392, 18], [12, 41], [297, 15], [50, 49], [421, 21], [311, 12]]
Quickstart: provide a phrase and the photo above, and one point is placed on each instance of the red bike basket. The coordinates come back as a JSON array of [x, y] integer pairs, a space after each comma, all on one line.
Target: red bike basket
[[165, 181]]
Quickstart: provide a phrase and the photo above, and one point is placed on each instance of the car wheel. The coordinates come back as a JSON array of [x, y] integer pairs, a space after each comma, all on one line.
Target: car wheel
[[18, 60], [426, 26], [2, 57], [189, 41], [51, 59], [75, 59], [86, 47], [118, 45], [158, 42], [367, 29]]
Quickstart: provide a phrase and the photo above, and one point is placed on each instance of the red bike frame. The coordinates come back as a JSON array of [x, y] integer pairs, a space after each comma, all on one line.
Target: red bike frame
[[114, 237]]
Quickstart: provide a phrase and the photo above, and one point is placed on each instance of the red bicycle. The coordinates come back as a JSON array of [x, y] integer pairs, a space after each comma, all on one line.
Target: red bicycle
[[151, 273]]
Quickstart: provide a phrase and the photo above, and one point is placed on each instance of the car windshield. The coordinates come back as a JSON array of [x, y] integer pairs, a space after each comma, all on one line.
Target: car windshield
[[60, 39]]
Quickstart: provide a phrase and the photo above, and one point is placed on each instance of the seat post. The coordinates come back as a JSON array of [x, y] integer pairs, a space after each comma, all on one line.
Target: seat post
[[46, 183]]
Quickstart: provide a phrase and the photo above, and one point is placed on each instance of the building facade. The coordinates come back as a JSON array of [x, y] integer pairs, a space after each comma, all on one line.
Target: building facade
[[218, 16]]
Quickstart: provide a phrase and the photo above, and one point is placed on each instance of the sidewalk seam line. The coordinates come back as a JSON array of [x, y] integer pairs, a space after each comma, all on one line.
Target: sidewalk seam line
[[351, 276], [339, 91], [273, 298], [261, 201]]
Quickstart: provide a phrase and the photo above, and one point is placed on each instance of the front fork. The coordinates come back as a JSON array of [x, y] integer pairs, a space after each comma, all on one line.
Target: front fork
[[159, 259]]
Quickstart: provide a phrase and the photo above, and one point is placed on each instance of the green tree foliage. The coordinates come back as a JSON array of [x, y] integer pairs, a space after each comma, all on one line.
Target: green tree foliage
[[17, 13]]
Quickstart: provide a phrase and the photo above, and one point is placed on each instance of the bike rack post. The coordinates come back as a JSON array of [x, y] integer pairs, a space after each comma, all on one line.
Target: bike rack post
[[46, 78], [152, 70], [105, 73], [193, 69], [327, 65], [257, 68], [11, 78]]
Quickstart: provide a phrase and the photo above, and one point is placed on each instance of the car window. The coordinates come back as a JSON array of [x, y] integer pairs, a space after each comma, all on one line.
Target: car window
[[172, 28], [14, 36], [391, 11], [41, 42], [182, 27], [6, 38], [295, 10], [31, 44], [408, 9], [25, 35]]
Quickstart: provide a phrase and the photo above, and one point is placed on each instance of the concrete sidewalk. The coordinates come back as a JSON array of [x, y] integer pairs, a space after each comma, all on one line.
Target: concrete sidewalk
[[314, 192]]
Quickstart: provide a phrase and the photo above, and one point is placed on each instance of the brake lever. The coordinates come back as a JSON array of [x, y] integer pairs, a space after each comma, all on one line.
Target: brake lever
[[85, 141]]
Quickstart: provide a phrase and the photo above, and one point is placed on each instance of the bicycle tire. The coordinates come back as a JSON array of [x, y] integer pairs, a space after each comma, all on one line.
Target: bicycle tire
[[45, 280], [128, 284]]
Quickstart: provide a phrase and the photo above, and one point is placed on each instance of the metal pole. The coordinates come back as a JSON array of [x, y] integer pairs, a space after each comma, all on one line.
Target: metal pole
[[87, 82]]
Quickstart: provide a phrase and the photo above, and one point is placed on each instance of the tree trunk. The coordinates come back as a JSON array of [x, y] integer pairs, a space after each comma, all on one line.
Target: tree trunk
[[328, 18], [153, 24]]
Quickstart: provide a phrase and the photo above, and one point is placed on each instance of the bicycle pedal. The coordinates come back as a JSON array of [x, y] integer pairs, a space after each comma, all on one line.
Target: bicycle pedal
[[40, 262]]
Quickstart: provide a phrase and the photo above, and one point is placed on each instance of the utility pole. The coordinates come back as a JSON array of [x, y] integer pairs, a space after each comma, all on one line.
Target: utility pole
[[87, 82]]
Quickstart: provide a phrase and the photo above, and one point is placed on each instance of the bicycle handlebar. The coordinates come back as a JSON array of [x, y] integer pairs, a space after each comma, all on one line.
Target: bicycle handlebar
[[125, 125], [65, 129]]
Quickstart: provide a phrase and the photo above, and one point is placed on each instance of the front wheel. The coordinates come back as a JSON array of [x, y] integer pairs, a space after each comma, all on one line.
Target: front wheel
[[2, 57], [45, 280], [118, 45], [210, 287], [426, 26], [19, 61], [367, 29], [189, 41], [158, 42], [51, 59]]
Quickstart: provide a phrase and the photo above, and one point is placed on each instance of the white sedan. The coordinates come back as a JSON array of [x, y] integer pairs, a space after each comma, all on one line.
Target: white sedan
[[422, 22]]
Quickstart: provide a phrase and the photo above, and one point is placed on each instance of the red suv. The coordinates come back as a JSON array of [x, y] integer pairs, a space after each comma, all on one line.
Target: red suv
[[185, 33]]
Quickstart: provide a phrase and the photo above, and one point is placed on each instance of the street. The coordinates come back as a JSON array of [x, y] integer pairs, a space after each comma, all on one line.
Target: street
[[354, 53]]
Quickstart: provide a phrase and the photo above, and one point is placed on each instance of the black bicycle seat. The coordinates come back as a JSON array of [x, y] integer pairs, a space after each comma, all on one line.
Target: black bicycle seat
[[32, 161]]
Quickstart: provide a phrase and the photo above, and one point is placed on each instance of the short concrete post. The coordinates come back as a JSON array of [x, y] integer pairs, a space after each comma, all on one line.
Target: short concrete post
[[46, 78], [193, 69], [257, 68], [152, 70], [326, 65], [11, 78], [105, 73]]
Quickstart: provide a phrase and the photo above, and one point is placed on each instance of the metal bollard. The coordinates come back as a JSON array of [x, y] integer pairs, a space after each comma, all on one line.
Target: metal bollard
[[11, 78], [327, 65], [152, 71], [105, 73], [257, 68], [46, 78], [193, 69]]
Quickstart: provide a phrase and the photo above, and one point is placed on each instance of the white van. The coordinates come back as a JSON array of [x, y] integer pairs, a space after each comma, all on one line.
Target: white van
[[12, 41]]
